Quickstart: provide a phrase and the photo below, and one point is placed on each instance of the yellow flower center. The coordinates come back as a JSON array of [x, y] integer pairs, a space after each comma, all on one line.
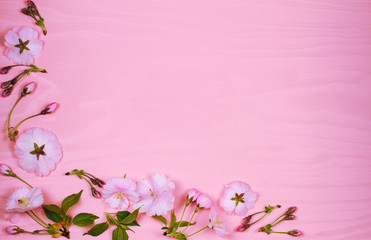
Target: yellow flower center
[[120, 195], [23, 202], [152, 194], [217, 222]]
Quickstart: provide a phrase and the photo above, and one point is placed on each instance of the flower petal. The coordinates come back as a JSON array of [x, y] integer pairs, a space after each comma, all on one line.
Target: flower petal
[[27, 33], [11, 38], [35, 46]]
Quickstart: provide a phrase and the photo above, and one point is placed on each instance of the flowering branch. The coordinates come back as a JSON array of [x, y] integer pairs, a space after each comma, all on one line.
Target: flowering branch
[[245, 224], [94, 180], [9, 85], [31, 10]]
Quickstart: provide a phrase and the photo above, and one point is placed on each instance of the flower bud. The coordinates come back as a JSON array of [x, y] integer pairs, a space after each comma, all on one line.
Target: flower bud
[[95, 193], [295, 233], [5, 169], [291, 210], [12, 230], [5, 70], [100, 183], [30, 2], [29, 88], [290, 217], [246, 220], [242, 227], [50, 108], [203, 201], [193, 194], [7, 92]]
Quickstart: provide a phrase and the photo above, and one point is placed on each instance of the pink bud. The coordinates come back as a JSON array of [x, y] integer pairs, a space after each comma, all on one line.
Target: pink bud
[[204, 201], [5, 70], [295, 233], [240, 229], [5, 169], [291, 210], [50, 108], [12, 230], [7, 92], [29, 88], [193, 194], [96, 193], [29, 2]]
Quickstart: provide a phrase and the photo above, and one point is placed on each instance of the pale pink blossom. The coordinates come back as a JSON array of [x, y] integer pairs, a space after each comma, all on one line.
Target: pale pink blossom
[[217, 223], [193, 194], [23, 45], [39, 151], [203, 201], [156, 198], [12, 217], [12, 230], [24, 199], [238, 198], [117, 192], [5, 169]]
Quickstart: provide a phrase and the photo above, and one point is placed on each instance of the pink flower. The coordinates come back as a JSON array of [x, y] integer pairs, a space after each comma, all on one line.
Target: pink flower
[[193, 194], [22, 45], [217, 223], [5, 169], [38, 150], [12, 230], [24, 199], [50, 108], [203, 201], [118, 191], [238, 198], [156, 198], [12, 217]]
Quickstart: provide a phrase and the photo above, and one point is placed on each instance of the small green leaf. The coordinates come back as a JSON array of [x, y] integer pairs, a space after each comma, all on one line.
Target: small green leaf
[[97, 229], [70, 201], [52, 212], [164, 228], [119, 234], [160, 218], [172, 226], [179, 236], [135, 223], [184, 224], [84, 219], [122, 215], [131, 217]]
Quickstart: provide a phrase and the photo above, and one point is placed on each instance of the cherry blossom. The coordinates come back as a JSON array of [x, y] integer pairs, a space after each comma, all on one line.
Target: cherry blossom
[[118, 191], [24, 199], [23, 45]]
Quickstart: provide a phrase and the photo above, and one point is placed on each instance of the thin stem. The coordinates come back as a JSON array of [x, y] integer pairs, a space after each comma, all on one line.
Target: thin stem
[[279, 232], [87, 181], [36, 220], [197, 231], [16, 127], [283, 219], [22, 180], [181, 218], [35, 233], [259, 219], [189, 223], [278, 218], [10, 114]]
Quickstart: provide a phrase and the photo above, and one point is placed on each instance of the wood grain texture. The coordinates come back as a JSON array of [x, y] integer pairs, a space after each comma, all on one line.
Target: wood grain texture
[[272, 92]]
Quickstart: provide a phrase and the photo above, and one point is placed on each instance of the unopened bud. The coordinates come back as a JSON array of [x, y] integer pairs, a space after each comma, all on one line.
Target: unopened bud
[[246, 220], [12, 230], [5, 169], [29, 88], [290, 217], [5, 70], [295, 233], [193, 194], [242, 227], [95, 193], [7, 92], [291, 210], [50, 108]]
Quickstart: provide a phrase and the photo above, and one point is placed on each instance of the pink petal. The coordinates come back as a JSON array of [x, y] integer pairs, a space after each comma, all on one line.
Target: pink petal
[[26, 58], [27, 33], [35, 46], [241, 209], [14, 55], [11, 38]]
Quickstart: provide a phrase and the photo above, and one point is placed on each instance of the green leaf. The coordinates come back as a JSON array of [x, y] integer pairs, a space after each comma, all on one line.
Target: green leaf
[[70, 201], [84, 219], [131, 217], [122, 215], [160, 218], [119, 234], [179, 236], [52, 212], [97, 229], [135, 223], [184, 224], [172, 226]]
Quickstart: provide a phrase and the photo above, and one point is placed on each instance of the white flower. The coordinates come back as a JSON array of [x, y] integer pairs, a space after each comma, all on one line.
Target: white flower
[[24, 199], [118, 191]]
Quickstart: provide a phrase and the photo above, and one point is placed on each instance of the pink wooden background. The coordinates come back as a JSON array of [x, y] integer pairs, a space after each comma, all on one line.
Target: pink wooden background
[[272, 92]]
